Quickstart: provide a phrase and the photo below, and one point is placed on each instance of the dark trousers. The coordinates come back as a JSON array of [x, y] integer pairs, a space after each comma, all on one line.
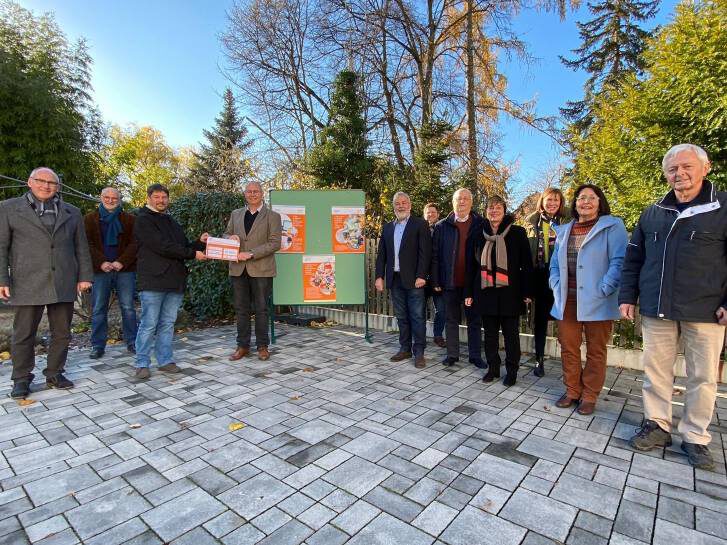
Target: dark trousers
[[511, 332], [250, 294], [453, 307], [440, 314], [25, 327], [409, 309], [542, 305]]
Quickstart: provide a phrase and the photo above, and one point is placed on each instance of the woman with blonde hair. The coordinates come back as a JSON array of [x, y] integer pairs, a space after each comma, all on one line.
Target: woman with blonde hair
[[540, 226]]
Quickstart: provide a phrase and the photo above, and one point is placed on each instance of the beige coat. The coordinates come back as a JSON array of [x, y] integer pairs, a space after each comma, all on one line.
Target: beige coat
[[263, 241]]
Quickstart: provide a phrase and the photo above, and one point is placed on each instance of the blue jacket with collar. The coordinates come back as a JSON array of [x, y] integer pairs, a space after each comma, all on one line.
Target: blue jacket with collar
[[445, 245], [676, 262], [599, 270]]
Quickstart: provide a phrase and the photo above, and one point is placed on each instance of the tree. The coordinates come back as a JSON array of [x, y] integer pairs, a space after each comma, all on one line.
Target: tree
[[340, 157], [46, 117], [680, 99], [430, 162], [612, 43], [221, 164], [136, 157]]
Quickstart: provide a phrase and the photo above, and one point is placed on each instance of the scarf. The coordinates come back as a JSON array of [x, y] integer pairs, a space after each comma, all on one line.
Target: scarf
[[494, 277], [113, 224], [47, 211], [545, 232]]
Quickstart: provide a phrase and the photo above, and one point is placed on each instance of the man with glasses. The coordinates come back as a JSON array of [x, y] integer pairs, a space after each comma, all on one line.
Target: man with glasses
[[44, 264], [110, 233], [258, 230]]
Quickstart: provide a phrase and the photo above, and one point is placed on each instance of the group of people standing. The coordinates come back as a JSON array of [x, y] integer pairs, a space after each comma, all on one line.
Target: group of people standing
[[49, 253], [574, 264]]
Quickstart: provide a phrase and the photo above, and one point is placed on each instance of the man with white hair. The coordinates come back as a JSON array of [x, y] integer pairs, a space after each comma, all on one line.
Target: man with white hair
[[676, 269], [448, 275], [44, 263], [110, 233], [403, 260]]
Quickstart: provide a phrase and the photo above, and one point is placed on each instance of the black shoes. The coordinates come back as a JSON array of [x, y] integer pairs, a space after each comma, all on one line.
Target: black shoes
[[650, 436], [96, 354], [479, 363], [449, 361], [539, 370], [698, 455], [491, 374], [510, 379], [21, 389], [58, 381], [131, 348]]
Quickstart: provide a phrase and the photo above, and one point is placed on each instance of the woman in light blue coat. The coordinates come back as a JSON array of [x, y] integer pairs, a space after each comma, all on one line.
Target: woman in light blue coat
[[584, 275]]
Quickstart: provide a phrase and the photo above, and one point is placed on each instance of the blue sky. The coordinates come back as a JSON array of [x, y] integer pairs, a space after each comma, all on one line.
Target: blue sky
[[156, 62]]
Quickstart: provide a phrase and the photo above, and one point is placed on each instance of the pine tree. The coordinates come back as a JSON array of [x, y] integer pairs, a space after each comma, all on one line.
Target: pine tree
[[221, 164], [340, 158], [612, 43]]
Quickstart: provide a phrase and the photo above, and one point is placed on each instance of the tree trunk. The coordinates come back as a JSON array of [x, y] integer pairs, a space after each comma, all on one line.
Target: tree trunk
[[471, 115]]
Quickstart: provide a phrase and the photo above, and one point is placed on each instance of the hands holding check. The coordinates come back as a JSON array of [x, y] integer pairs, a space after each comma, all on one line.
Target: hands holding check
[[241, 256]]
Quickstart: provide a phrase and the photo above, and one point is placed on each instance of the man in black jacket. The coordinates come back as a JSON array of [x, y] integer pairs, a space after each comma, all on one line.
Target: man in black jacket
[[161, 277], [676, 268], [404, 253], [448, 275]]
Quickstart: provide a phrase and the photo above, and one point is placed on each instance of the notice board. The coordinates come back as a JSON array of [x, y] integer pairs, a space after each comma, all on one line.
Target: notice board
[[322, 257]]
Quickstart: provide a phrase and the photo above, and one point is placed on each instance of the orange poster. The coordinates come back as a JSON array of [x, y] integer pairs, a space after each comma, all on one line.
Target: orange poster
[[347, 225], [319, 278], [293, 221]]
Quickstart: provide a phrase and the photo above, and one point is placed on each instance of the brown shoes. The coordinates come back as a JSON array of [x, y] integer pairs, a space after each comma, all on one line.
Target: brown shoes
[[586, 408], [440, 342], [170, 368], [564, 402], [239, 353], [399, 356], [420, 362], [263, 353]]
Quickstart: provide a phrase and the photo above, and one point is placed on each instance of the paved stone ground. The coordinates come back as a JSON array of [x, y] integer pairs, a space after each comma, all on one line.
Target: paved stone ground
[[339, 446]]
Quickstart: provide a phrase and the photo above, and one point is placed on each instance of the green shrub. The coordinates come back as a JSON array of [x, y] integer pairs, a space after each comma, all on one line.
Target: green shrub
[[209, 292]]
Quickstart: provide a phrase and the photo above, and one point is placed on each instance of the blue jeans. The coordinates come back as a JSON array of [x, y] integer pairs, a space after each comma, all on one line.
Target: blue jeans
[[409, 309], [158, 314], [440, 314], [124, 283]]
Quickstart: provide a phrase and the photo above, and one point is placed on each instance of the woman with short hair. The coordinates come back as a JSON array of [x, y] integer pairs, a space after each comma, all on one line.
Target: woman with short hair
[[499, 267], [585, 273], [540, 226]]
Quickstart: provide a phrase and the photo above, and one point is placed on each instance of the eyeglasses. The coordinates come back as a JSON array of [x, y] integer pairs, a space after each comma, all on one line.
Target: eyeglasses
[[47, 183], [110, 199], [587, 198]]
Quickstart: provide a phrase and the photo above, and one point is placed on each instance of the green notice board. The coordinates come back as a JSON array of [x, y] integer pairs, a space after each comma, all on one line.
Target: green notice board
[[288, 288]]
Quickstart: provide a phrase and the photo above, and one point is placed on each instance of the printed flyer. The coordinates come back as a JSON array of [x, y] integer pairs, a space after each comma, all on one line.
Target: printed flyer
[[347, 223], [293, 222], [319, 278]]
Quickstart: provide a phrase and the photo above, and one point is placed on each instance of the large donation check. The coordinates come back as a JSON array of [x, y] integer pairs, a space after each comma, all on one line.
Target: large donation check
[[222, 248]]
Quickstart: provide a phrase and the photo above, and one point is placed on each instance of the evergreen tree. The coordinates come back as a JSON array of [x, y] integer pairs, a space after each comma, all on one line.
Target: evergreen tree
[[430, 160], [340, 159], [221, 164], [46, 114], [612, 43]]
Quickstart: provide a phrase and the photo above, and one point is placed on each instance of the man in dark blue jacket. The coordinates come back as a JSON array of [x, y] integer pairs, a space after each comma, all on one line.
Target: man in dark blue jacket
[[676, 268], [403, 260], [448, 275]]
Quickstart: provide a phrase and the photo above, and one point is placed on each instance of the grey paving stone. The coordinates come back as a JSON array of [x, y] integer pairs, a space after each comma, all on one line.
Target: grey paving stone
[[328, 535], [356, 517], [291, 533], [223, 524], [270, 520], [256, 495], [676, 511], [107, 511], [711, 523], [198, 536], [475, 526], [357, 476], [547, 449], [316, 516], [596, 498], [415, 436], [425, 490], [594, 524], [233, 455], [122, 533], [634, 520], [385, 530], [582, 438], [61, 484], [394, 504], [178, 516], [245, 535], [296, 504], [681, 475], [47, 528], [578, 536], [314, 432], [370, 446], [668, 533], [543, 515], [435, 518], [497, 471]]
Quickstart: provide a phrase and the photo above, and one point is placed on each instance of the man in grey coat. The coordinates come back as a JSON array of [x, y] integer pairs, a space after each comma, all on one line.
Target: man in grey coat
[[44, 263]]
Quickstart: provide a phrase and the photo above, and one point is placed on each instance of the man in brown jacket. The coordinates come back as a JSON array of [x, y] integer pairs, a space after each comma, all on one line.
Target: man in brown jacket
[[258, 229], [110, 233]]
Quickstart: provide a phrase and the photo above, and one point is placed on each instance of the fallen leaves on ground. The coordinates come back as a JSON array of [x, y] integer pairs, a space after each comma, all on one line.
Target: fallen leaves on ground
[[308, 370], [295, 398], [546, 408], [234, 426], [4, 356], [25, 402], [134, 426], [321, 325]]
